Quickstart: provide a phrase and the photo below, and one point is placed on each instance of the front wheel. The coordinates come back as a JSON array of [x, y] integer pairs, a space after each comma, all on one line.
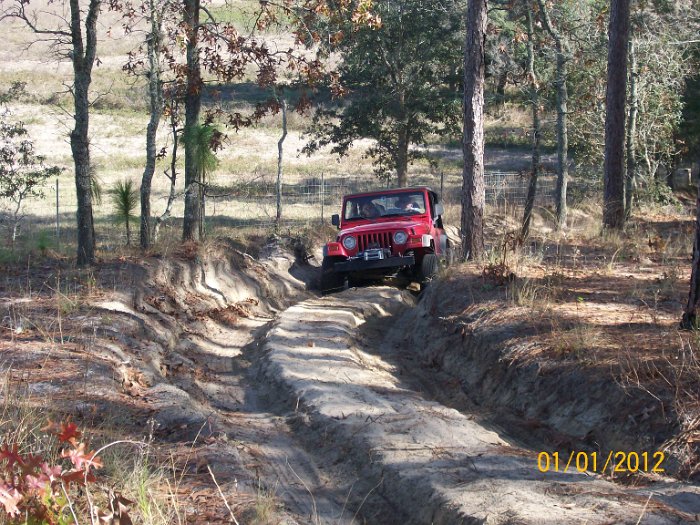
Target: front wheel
[[429, 267], [330, 279]]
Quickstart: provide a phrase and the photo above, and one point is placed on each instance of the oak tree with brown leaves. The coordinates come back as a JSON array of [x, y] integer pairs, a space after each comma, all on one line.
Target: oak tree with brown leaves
[[199, 54]]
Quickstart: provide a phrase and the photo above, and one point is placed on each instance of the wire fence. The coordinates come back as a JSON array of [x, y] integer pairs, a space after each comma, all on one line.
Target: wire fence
[[50, 220]]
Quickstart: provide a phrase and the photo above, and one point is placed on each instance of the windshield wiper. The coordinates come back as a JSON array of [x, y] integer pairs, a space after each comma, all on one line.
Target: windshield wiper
[[401, 215], [362, 218]]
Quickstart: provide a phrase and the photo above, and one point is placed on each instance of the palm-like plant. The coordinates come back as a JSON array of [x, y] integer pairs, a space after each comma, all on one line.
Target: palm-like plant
[[95, 187], [204, 140], [125, 198]]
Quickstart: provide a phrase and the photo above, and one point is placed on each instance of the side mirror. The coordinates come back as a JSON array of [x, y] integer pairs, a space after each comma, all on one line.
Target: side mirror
[[439, 209], [335, 219]]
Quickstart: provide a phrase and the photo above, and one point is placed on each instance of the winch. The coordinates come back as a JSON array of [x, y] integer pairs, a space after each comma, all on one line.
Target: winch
[[374, 254]]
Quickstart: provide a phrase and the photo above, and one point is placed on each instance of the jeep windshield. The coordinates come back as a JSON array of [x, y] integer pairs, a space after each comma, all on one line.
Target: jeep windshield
[[388, 205]]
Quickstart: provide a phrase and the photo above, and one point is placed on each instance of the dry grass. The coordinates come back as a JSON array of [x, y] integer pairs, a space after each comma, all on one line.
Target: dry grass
[[265, 508], [675, 369], [23, 415], [581, 341], [129, 471], [539, 294]]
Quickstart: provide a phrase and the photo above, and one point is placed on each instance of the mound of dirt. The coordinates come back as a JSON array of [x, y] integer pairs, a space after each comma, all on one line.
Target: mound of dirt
[[165, 324]]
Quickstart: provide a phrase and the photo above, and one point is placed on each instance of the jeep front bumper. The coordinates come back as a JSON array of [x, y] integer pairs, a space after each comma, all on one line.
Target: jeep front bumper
[[360, 265]]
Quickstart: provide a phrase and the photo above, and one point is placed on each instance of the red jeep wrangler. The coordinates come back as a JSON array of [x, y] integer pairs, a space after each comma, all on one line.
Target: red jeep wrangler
[[388, 232]]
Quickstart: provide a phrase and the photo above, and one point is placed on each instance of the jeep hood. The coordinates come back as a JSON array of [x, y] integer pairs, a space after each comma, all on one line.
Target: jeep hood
[[379, 225]]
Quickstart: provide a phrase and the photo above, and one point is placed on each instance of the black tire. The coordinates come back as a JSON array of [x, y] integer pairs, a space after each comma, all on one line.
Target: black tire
[[429, 267], [331, 280], [353, 282]]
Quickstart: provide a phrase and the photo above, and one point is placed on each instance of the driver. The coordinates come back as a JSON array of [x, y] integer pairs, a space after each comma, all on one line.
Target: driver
[[404, 203]]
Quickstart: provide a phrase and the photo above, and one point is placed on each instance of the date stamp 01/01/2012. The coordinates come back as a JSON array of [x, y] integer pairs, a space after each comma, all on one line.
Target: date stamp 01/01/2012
[[613, 462]]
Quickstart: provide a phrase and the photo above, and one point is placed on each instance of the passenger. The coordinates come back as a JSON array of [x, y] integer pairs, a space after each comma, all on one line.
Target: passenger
[[369, 210]]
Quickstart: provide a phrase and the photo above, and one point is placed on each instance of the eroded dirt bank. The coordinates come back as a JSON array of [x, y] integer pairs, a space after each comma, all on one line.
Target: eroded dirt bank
[[417, 460], [172, 341], [490, 358]]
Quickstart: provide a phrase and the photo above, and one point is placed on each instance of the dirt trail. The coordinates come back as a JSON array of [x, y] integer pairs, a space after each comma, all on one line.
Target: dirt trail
[[418, 461], [204, 319], [315, 405]]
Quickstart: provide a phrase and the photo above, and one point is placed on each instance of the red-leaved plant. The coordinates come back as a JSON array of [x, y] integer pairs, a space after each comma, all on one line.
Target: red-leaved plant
[[32, 490]]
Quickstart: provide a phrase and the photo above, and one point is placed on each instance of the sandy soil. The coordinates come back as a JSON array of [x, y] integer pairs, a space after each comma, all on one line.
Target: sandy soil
[[429, 463]]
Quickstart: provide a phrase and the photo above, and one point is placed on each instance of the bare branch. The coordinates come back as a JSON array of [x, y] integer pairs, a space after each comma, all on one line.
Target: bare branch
[[20, 13]]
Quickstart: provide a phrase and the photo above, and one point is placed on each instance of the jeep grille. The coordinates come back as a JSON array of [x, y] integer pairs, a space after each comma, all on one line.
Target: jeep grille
[[374, 240]]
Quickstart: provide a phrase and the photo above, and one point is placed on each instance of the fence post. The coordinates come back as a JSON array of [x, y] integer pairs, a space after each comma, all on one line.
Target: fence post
[[321, 191], [58, 219], [442, 185]]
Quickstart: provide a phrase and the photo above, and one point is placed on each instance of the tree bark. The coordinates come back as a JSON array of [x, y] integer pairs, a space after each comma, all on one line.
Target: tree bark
[[16, 219], [155, 93], [689, 319], [192, 220], [535, 101], [614, 196], [402, 157], [631, 174], [280, 151], [83, 58], [562, 111], [173, 172], [402, 138], [473, 190]]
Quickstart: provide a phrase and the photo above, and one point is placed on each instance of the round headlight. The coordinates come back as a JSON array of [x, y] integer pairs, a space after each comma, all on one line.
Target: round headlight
[[349, 242], [400, 237]]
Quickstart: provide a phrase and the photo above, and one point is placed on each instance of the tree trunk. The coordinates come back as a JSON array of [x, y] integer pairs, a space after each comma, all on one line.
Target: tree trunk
[[16, 219], [535, 101], [501, 86], [671, 175], [688, 321], [173, 176], [473, 190], [631, 175], [614, 196], [155, 92], [562, 110], [191, 227], [562, 138], [402, 157], [402, 140], [280, 150], [83, 58]]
